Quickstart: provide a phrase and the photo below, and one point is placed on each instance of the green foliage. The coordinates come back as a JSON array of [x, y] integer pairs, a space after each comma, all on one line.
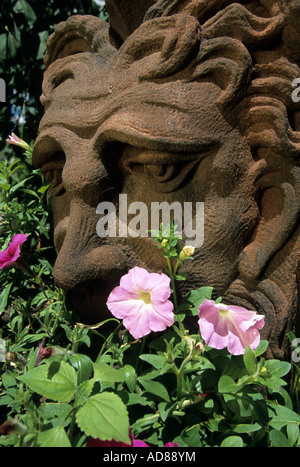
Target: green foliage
[[169, 388], [25, 27]]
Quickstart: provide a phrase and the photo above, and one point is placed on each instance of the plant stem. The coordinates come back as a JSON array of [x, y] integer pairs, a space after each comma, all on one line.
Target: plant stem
[[140, 353], [108, 340], [179, 372], [172, 277], [71, 427], [179, 383], [43, 290]]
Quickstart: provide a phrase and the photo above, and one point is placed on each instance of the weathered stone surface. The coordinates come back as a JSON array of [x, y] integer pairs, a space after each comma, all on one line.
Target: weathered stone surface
[[179, 101]]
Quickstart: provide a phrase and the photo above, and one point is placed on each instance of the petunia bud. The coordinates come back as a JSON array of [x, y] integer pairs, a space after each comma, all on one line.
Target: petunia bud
[[186, 252], [12, 427], [48, 352], [15, 357], [14, 139], [200, 347]]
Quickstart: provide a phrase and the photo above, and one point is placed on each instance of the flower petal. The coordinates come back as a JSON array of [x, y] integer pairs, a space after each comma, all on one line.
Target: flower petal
[[9, 256], [5, 259], [229, 326]]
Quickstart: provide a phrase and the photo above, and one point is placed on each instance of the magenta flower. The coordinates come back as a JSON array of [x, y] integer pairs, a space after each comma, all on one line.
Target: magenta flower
[[14, 139], [135, 443], [11, 256], [229, 326], [99, 443], [141, 300]]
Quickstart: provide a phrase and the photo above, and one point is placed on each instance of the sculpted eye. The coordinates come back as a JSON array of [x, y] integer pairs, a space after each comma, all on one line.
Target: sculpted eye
[[162, 171], [53, 173], [163, 177]]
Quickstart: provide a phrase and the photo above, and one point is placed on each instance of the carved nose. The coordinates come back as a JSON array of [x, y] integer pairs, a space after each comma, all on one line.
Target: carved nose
[[81, 258], [105, 262]]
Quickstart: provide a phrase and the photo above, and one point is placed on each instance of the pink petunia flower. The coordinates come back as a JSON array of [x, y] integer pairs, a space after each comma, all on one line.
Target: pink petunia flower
[[229, 326], [14, 139], [11, 256], [141, 300]]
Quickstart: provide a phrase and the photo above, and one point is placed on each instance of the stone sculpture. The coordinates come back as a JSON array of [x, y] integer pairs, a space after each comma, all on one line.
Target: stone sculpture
[[178, 100]]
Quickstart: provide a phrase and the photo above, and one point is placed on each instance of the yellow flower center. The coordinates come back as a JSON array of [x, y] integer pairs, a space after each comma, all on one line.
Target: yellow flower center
[[146, 296], [224, 313]]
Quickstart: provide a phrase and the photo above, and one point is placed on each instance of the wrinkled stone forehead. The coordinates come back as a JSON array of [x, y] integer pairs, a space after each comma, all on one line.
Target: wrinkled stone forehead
[[177, 116], [148, 109]]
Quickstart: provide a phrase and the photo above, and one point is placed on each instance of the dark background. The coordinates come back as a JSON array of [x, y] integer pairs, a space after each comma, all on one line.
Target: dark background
[[24, 28]]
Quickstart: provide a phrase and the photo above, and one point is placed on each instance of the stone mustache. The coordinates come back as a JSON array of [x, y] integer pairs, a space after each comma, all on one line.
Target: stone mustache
[[186, 101]]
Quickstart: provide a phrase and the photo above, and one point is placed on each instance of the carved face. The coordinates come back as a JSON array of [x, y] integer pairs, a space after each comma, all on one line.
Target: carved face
[[152, 121], [83, 172]]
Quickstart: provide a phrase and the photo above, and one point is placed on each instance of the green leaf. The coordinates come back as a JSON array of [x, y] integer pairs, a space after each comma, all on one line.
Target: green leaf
[[53, 438], [261, 348], [130, 377], [181, 276], [5, 186], [43, 189], [278, 439], [194, 298], [105, 373], [83, 392], [281, 416], [145, 422], [54, 380], [31, 192], [272, 383], [247, 427], [249, 360], [155, 360], [23, 7], [277, 367], [4, 297], [191, 436], [56, 413], [232, 442], [83, 366], [104, 416], [156, 388], [12, 43], [164, 409], [293, 434], [227, 385], [18, 185], [42, 47]]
